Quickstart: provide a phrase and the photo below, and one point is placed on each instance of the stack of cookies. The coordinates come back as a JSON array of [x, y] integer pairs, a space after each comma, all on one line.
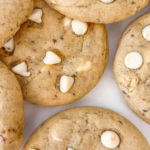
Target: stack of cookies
[[54, 52]]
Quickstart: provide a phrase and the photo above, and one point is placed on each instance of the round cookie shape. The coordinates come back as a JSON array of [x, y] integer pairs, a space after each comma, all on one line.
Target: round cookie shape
[[11, 110], [58, 65], [83, 128], [98, 11], [13, 14], [134, 82]]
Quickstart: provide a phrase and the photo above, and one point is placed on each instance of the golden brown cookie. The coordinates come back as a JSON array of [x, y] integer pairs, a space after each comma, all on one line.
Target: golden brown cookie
[[132, 65], [11, 111], [13, 14], [87, 128], [98, 11], [59, 66]]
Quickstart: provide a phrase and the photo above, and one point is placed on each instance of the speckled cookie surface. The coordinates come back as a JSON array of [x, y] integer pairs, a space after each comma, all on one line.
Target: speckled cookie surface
[[134, 84], [13, 14], [11, 111], [97, 11], [81, 129], [34, 40]]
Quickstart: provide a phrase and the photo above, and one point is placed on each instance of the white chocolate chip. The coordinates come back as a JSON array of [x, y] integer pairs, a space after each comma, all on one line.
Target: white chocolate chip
[[36, 16], [110, 139], [133, 60], [9, 46], [66, 83], [53, 2], [146, 33], [1, 138], [86, 67], [58, 132], [51, 58], [21, 69], [69, 148], [107, 1], [79, 28], [57, 139], [32, 149], [67, 21]]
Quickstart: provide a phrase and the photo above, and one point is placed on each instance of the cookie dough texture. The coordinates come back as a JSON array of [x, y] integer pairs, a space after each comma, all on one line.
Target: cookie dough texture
[[13, 14], [81, 129], [97, 11], [33, 41], [11, 111], [135, 84]]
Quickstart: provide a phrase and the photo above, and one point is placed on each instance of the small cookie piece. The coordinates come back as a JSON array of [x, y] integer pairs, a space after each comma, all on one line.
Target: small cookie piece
[[98, 11], [132, 67], [13, 14], [87, 128], [63, 62], [11, 111]]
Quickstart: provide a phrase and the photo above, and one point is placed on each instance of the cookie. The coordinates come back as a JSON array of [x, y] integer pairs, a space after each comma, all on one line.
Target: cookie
[[11, 111], [132, 65], [87, 128], [98, 11], [57, 60], [13, 14]]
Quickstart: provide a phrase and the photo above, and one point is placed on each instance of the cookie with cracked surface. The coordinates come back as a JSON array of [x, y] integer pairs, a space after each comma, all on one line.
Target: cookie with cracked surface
[[11, 110], [13, 14], [59, 60], [132, 65], [85, 128], [98, 11]]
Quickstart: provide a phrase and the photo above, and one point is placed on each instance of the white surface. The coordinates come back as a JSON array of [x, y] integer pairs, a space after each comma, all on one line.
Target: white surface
[[67, 21], [105, 94]]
